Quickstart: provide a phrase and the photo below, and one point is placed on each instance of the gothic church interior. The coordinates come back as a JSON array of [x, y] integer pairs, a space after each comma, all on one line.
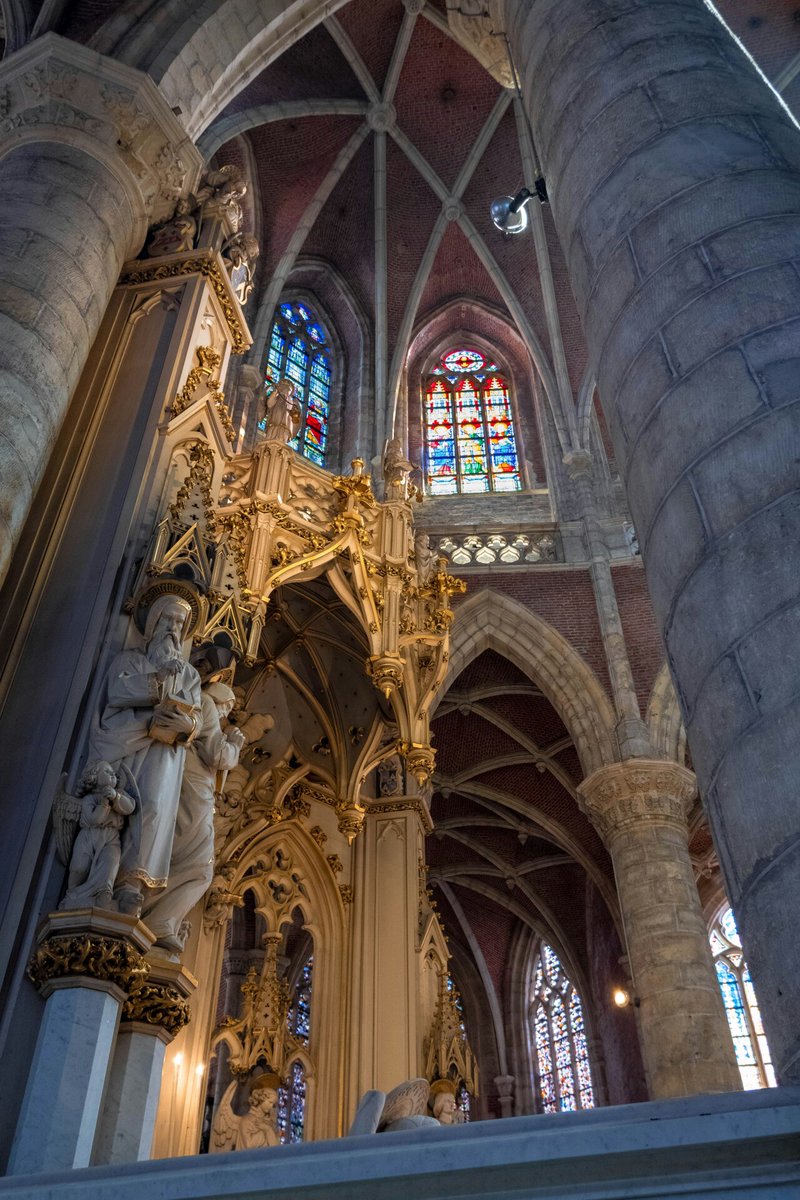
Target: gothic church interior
[[399, 705]]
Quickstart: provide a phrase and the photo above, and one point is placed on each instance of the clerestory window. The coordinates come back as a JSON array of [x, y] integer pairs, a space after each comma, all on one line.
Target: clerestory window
[[300, 350], [741, 1006], [470, 445], [563, 1072]]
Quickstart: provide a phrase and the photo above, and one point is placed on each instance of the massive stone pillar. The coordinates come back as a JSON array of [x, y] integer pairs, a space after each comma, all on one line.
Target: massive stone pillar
[[90, 153], [640, 809], [674, 179]]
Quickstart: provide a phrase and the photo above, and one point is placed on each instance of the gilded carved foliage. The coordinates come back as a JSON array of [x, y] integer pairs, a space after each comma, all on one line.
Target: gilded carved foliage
[[96, 956], [158, 1004]]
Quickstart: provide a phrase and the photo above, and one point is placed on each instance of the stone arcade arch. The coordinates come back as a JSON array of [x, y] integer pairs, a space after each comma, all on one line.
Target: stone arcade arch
[[488, 620]]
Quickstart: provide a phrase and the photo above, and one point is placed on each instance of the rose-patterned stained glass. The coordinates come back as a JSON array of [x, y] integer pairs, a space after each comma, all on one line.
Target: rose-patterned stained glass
[[741, 1007], [562, 1059], [469, 429], [463, 360], [298, 350]]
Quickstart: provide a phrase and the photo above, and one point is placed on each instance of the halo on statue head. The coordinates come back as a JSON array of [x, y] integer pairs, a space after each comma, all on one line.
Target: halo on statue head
[[440, 1086], [152, 601], [268, 1079]]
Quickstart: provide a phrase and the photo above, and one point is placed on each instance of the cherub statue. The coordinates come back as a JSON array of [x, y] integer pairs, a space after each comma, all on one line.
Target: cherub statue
[[283, 412], [240, 253], [403, 1108], [100, 811], [258, 1128]]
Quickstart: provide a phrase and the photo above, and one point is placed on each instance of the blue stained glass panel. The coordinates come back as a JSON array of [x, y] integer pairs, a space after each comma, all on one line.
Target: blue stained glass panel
[[294, 353]]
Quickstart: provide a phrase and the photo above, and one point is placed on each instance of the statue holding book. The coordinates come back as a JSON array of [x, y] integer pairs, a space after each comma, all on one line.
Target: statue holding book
[[149, 712]]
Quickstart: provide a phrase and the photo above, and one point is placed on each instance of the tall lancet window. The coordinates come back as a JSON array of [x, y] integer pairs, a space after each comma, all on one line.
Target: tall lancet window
[[300, 350], [469, 427], [292, 1098], [741, 1006], [562, 1058]]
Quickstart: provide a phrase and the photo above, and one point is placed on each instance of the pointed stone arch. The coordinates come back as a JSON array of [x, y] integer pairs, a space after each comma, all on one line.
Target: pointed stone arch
[[489, 620], [665, 720]]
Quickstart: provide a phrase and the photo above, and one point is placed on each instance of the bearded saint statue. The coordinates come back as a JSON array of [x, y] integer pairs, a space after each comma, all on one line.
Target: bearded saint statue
[[149, 711]]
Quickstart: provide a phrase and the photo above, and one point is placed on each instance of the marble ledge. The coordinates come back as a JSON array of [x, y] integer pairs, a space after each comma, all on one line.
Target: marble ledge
[[723, 1147]]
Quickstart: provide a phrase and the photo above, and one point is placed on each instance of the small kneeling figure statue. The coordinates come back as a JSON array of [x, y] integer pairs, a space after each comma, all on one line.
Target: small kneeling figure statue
[[95, 857], [258, 1127]]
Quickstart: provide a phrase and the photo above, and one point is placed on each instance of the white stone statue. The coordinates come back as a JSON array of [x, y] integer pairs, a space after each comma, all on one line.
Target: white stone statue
[[258, 1128], [396, 470], [240, 253], [220, 192], [283, 413], [423, 555], [94, 859], [191, 867], [403, 1108], [149, 710]]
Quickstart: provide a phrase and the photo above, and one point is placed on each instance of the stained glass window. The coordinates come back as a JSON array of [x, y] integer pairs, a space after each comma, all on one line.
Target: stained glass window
[[469, 427], [299, 350], [562, 1057], [292, 1098], [741, 1006]]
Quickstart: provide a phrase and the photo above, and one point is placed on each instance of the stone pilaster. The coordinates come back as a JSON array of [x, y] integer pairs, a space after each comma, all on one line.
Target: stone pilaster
[[640, 810], [90, 154], [152, 1015], [85, 963]]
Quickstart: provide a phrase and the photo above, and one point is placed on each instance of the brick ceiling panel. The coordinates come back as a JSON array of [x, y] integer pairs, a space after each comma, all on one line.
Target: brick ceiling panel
[[499, 173], [466, 741], [373, 26], [534, 716], [457, 273], [443, 99], [769, 28], [488, 668], [293, 158], [339, 232], [312, 69], [412, 209]]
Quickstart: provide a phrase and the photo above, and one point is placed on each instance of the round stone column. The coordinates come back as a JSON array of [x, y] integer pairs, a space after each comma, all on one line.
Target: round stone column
[[90, 153], [674, 182], [640, 808]]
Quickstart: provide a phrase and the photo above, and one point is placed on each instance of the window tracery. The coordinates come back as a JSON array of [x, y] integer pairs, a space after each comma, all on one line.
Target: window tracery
[[562, 1057], [469, 427], [292, 1097], [741, 1007], [299, 349]]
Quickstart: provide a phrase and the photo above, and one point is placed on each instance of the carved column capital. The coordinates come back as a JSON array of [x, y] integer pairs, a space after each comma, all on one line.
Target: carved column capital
[[161, 1001], [160, 1005], [55, 90], [91, 948], [625, 795]]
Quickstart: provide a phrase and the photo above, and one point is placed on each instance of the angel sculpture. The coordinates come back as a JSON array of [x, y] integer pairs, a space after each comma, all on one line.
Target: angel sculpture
[[403, 1108], [283, 413], [258, 1128], [99, 810]]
